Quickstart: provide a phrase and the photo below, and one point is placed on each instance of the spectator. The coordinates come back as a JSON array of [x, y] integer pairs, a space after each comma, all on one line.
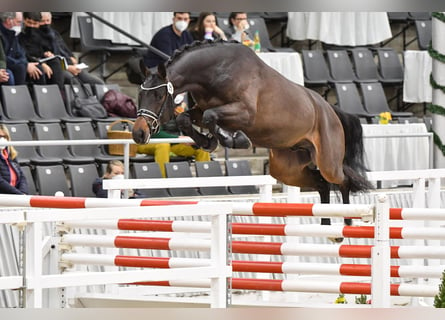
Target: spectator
[[169, 38], [16, 62], [36, 49], [55, 45], [12, 179], [206, 28], [238, 27], [4, 74], [114, 170]]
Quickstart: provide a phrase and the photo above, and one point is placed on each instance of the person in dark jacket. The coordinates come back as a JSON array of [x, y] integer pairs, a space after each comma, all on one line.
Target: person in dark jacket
[[36, 49], [170, 38], [16, 62], [57, 46], [12, 179]]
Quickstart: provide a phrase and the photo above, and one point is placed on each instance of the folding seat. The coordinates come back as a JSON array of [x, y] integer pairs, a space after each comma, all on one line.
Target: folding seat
[[49, 104], [180, 170], [53, 131], [239, 168], [210, 169], [316, 70], [29, 179], [149, 170], [101, 89], [424, 33], [18, 105], [105, 48], [340, 66], [375, 101], [85, 131], [348, 99], [101, 133], [390, 67], [81, 177], [364, 65], [21, 132], [50, 179]]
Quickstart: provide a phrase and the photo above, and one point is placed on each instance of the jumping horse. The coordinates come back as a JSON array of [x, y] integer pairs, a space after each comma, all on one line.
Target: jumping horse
[[241, 101]]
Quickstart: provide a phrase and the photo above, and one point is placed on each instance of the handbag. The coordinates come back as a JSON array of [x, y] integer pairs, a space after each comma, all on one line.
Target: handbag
[[87, 106]]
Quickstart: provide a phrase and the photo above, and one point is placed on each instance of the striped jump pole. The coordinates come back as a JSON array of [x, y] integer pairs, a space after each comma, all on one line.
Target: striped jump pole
[[304, 286], [363, 270], [256, 209], [311, 230], [252, 247]]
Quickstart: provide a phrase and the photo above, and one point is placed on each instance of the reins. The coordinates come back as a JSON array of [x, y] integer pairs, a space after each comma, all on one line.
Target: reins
[[155, 125]]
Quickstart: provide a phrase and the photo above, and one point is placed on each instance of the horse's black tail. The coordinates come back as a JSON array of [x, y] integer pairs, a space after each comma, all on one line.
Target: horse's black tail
[[354, 163]]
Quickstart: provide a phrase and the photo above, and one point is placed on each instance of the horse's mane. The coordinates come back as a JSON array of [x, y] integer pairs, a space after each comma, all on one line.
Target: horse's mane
[[195, 46]]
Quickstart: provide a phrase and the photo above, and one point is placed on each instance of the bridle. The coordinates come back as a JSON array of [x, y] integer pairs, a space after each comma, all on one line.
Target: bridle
[[155, 124]]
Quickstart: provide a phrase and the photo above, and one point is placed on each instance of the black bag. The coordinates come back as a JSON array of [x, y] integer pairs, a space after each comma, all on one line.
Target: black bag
[[89, 106]]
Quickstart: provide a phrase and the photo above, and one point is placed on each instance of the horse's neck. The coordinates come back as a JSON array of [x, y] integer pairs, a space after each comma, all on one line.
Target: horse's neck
[[186, 72]]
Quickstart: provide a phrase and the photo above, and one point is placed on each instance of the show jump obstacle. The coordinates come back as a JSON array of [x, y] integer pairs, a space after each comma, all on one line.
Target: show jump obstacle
[[140, 228]]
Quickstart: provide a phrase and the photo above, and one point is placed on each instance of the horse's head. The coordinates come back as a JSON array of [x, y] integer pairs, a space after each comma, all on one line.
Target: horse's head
[[155, 104]]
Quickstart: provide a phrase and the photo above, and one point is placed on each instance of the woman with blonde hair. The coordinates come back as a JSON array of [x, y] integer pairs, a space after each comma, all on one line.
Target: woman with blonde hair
[[12, 179]]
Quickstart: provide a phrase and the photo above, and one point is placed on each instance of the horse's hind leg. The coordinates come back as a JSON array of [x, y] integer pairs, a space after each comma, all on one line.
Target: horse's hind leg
[[344, 190]]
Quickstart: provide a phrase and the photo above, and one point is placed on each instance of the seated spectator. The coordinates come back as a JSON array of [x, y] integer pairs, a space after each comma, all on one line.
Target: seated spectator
[[4, 74], [114, 170], [169, 38], [36, 49], [17, 64], [55, 45], [238, 27], [207, 29], [12, 179]]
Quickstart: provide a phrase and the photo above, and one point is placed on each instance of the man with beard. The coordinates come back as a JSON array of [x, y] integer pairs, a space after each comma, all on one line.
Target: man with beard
[[57, 46], [37, 48]]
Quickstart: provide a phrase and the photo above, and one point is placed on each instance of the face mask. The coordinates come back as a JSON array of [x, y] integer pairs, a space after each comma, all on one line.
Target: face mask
[[17, 29], [44, 28], [1, 141], [181, 25], [118, 177]]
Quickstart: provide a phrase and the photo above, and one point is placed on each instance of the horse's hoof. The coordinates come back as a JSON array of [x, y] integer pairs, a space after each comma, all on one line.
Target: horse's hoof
[[212, 143], [240, 140], [336, 239]]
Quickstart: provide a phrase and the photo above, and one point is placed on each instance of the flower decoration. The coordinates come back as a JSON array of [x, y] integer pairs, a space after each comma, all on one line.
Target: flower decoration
[[384, 117], [341, 299]]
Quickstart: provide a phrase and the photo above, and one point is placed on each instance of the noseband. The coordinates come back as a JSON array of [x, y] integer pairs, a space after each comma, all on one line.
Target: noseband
[[155, 125]]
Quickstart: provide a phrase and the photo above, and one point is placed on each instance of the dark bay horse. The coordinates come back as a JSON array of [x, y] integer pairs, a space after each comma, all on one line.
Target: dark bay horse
[[240, 101]]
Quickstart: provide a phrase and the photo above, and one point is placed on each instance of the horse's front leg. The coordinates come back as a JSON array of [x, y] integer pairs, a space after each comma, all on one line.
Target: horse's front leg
[[185, 123], [230, 114]]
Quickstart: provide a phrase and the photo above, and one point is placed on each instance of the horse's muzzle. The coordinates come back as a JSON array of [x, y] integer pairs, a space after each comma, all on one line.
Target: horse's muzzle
[[141, 131]]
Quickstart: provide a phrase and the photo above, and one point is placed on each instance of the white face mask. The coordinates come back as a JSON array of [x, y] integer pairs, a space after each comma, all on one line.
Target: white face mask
[[17, 29], [181, 25], [1, 141], [118, 177]]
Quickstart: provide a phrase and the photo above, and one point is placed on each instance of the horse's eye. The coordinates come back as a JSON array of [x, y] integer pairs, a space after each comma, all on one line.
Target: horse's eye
[[158, 95]]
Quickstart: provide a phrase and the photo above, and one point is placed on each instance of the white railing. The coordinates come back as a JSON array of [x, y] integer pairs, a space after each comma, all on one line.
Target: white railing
[[34, 281]]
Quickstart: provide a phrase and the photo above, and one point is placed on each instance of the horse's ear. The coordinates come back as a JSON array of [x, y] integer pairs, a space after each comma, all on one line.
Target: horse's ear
[[145, 71], [162, 71]]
